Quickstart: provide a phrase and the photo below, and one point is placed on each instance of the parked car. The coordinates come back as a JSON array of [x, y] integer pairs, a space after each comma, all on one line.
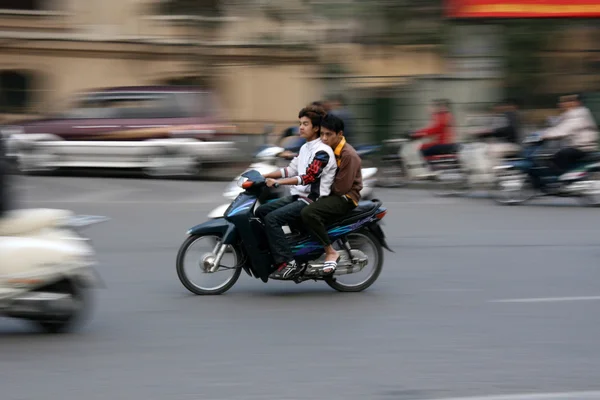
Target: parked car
[[179, 127]]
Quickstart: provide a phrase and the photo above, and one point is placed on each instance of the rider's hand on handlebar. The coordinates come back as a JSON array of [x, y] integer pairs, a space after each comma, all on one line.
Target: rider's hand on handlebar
[[288, 155], [271, 182]]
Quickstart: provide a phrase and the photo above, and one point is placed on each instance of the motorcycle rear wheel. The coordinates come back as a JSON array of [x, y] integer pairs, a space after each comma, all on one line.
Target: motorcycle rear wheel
[[354, 239], [82, 307], [591, 197]]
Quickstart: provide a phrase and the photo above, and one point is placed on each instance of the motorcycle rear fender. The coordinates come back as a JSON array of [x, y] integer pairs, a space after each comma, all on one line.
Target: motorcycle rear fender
[[375, 228], [219, 226]]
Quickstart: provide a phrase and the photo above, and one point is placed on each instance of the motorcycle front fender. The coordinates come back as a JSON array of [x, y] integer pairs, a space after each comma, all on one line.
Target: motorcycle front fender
[[218, 212], [220, 227]]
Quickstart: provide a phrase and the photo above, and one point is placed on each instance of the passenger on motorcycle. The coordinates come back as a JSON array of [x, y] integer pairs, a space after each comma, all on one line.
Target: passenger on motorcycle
[[345, 192], [311, 175], [578, 127], [441, 130]]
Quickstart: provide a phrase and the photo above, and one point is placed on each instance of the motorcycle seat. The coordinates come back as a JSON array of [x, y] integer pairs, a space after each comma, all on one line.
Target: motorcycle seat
[[28, 253], [363, 209], [442, 157], [22, 222]]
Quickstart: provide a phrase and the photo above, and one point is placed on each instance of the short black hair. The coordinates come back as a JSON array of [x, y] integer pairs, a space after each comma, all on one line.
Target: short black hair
[[333, 123], [315, 114]]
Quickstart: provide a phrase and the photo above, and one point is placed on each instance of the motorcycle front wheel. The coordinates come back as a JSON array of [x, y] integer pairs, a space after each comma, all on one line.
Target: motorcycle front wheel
[[194, 261], [513, 189], [392, 173]]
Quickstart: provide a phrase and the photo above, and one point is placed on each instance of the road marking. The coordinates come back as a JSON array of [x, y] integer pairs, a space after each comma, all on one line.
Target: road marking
[[591, 395], [547, 299]]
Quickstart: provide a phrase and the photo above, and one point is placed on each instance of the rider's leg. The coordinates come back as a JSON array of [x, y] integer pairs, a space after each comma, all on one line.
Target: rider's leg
[[278, 243], [262, 211], [322, 212], [564, 159]]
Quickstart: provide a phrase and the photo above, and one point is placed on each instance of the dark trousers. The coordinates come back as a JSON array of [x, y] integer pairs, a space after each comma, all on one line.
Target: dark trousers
[[316, 216], [276, 214], [565, 159], [4, 189], [438, 150]]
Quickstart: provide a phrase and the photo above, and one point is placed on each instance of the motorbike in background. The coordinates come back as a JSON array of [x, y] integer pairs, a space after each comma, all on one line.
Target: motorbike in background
[[47, 267], [535, 176]]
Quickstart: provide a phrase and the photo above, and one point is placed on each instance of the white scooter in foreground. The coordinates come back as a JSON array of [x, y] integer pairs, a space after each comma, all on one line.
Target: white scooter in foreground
[[268, 160], [46, 267]]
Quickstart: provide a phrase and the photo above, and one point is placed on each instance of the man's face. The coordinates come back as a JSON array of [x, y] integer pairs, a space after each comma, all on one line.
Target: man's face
[[330, 138], [307, 130]]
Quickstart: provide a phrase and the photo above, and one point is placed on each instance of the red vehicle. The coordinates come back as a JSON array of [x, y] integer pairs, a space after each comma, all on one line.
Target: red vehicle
[[157, 129], [134, 114]]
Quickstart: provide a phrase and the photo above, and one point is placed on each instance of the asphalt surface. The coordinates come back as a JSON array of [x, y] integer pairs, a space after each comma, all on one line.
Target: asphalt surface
[[477, 300]]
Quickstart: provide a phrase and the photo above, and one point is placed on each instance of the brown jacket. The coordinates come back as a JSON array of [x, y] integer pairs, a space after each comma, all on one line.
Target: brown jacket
[[348, 177]]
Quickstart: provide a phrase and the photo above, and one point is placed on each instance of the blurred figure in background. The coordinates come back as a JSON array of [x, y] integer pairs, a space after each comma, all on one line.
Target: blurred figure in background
[[4, 192], [579, 130], [440, 130], [506, 131], [441, 134], [336, 105]]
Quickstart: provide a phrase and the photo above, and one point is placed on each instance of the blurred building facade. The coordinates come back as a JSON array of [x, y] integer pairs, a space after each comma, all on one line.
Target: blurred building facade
[[262, 68]]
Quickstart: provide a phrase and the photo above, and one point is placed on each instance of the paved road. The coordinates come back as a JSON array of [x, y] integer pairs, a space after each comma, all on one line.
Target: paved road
[[477, 300]]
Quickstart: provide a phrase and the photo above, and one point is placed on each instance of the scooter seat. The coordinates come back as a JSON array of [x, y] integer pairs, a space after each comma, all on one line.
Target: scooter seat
[[364, 208], [442, 157], [22, 222], [22, 254]]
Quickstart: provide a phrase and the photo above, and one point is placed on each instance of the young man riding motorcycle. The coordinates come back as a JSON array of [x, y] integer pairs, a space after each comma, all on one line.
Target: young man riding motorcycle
[[345, 192], [441, 130], [578, 127], [311, 175]]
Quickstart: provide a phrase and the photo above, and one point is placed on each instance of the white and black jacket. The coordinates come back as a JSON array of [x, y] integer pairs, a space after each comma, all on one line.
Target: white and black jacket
[[315, 168]]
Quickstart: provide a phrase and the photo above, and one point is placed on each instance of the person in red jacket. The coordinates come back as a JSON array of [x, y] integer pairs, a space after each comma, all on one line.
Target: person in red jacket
[[440, 130]]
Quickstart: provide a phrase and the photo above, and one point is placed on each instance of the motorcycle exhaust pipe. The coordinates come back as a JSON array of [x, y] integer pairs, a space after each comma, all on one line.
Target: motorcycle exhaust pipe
[[344, 269], [40, 305]]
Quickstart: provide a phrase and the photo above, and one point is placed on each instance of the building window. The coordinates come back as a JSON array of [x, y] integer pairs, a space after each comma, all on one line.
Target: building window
[[15, 90]]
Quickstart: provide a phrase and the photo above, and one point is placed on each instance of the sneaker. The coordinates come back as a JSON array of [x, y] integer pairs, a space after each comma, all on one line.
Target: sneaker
[[285, 271]]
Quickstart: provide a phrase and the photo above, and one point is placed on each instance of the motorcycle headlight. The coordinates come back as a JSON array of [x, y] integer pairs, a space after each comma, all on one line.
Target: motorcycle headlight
[[241, 180]]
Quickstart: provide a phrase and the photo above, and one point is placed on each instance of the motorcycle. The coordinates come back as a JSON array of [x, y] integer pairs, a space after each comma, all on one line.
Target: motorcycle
[[47, 268], [535, 176], [468, 167], [270, 159], [238, 242]]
